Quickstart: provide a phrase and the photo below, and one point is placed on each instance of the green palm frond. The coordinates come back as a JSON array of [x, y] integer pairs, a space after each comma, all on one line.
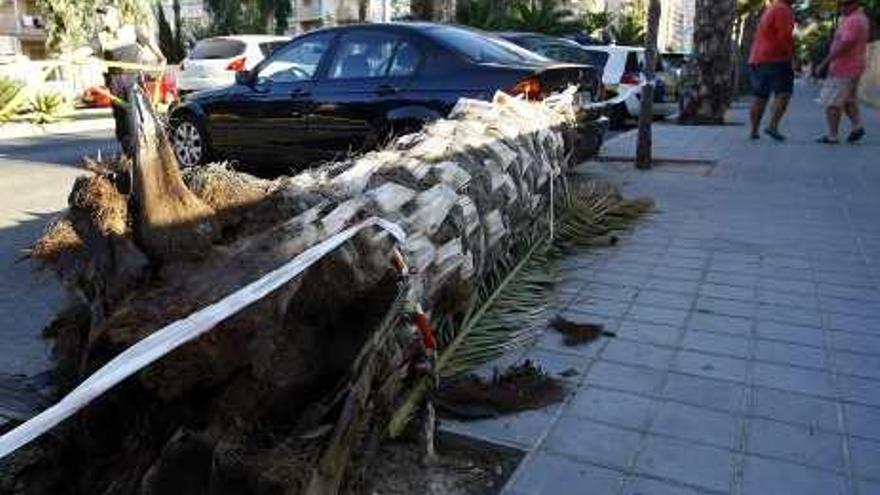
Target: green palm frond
[[505, 311]]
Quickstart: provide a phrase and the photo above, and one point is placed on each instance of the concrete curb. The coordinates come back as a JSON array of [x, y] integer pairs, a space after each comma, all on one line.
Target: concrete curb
[[20, 130]]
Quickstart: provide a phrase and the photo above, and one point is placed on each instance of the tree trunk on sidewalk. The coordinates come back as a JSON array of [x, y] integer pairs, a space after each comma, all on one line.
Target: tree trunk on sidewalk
[[713, 46], [282, 395], [433, 10], [646, 114]]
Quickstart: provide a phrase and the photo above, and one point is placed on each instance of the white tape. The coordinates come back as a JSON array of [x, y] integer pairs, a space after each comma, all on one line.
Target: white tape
[[178, 333], [633, 90]]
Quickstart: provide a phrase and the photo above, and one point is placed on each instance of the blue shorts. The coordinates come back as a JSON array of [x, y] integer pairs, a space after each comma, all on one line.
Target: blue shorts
[[772, 78]]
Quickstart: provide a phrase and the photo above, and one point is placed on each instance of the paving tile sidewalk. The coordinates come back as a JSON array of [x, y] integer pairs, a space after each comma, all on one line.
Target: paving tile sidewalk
[[748, 318]]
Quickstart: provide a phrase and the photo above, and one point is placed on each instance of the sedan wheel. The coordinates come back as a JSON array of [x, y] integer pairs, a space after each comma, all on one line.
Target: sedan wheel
[[189, 144]]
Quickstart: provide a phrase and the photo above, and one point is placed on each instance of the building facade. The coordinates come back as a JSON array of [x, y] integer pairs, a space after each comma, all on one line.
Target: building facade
[[22, 31]]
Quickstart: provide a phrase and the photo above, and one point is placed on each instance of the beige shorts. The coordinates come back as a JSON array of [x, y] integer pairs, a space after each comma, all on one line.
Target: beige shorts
[[838, 91]]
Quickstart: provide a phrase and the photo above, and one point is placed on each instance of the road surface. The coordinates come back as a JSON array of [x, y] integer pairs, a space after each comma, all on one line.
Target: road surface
[[35, 178]]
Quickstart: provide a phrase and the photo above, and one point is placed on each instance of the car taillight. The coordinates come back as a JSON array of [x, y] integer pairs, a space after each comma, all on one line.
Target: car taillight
[[529, 87], [630, 78], [236, 65]]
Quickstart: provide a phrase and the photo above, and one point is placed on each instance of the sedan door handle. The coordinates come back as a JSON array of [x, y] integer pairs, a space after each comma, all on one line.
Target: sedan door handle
[[386, 89], [299, 93]]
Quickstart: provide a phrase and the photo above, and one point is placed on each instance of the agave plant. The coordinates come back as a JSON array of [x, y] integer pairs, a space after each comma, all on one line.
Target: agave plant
[[11, 97], [507, 311], [47, 107]]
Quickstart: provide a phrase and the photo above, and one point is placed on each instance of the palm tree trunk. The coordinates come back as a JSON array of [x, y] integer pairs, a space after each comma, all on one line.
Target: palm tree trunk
[[646, 114], [713, 45], [328, 347]]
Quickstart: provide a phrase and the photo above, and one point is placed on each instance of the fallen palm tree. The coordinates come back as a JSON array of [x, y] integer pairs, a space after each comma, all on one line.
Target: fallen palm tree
[[294, 393]]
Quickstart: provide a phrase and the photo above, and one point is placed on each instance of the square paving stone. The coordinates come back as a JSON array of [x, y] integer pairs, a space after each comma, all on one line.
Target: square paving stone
[[610, 406], [672, 285], [653, 314], [613, 292], [799, 286], [727, 307], [677, 273], [731, 292], [737, 280], [865, 456], [680, 262], [626, 378], [792, 299], [696, 423], [711, 366], [602, 307], [671, 300], [805, 381], [704, 392], [790, 333], [638, 353], [716, 343], [857, 364], [854, 323], [796, 443], [867, 487], [788, 353], [594, 442], [846, 306], [860, 390], [791, 407], [721, 324], [647, 486], [686, 462], [863, 421], [762, 476], [549, 474], [854, 342], [790, 315], [649, 332]]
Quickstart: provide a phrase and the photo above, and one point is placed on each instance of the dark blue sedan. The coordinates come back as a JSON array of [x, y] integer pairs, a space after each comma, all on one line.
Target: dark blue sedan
[[342, 90]]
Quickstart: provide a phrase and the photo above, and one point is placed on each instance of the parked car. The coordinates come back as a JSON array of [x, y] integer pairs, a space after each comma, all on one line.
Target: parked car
[[213, 62], [561, 49], [624, 70], [344, 89]]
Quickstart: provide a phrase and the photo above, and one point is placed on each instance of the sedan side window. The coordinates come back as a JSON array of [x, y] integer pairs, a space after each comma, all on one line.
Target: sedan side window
[[406, 60], [297, 62], [362, 55]]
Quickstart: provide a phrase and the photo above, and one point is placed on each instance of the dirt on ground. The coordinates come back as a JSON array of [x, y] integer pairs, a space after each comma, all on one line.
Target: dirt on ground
[[461, 468]]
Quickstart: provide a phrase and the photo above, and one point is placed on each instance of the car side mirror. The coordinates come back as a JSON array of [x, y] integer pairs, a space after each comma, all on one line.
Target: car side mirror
[[243, 77]]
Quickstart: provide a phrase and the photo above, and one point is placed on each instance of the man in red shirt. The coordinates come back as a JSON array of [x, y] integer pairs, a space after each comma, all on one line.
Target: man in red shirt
[[846, 63], [771, 63]]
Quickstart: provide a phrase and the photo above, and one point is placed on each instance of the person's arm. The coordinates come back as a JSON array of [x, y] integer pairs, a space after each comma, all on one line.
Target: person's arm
[[147, 41], [842, 45]]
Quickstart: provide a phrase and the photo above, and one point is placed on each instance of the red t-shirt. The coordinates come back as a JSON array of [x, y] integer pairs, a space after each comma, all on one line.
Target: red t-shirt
[[774, 41]]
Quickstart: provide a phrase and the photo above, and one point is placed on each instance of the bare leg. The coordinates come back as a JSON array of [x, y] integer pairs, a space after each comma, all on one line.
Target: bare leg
[[757, 113], [780, 105], [833, 115], [852, 111]]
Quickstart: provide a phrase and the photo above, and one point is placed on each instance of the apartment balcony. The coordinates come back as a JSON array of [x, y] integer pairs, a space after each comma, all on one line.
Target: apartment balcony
[[308, 10]]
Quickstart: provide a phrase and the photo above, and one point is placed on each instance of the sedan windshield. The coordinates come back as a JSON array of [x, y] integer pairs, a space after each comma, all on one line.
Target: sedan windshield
[[483, 48]]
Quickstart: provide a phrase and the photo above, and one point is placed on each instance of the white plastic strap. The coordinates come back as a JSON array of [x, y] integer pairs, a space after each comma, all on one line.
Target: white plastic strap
[[178, 333], [633, 90]]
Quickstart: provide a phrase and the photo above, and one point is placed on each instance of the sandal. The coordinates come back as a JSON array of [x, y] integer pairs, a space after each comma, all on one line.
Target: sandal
[[775, 134], [827, 140], [856, 135]]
